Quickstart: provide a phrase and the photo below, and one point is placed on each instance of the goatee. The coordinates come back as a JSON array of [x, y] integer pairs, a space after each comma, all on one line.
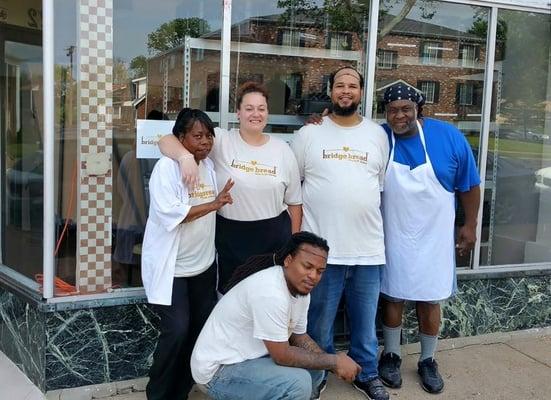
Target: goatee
[[345, 111]]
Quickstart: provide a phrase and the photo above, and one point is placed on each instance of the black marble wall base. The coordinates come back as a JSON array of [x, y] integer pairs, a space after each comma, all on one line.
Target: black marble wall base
[[23, 336], [64, 349], [99, 344], [85, 347], [490, 305]]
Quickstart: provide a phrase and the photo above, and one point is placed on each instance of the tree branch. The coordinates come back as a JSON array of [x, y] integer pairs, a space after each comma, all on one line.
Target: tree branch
[[397, 19]]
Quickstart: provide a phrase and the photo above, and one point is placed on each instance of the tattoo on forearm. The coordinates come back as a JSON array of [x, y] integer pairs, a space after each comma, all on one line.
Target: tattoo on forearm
[[305, 342], [302, 358]]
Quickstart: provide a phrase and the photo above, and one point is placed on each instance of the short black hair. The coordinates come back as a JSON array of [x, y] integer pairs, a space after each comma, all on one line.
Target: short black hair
[[187, 117], [332, 76]]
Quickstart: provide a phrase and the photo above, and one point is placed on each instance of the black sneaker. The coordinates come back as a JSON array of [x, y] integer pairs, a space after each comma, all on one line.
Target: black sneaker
[[431, 380], [372, 388], [389, 370], [322, 386]]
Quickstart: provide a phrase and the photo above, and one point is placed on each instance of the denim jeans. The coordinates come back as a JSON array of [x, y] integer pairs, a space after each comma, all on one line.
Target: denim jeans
[[360, 284], [262, 379]]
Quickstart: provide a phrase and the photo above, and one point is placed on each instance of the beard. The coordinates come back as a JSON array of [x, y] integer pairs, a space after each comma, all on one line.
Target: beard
[[345, 111]]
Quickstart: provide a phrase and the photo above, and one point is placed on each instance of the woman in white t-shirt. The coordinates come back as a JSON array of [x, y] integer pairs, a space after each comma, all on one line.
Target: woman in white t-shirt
[[178, 256], [267, 196]]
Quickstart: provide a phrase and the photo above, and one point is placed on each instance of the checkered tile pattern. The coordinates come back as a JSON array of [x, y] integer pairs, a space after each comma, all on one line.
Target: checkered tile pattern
[[95, 62]]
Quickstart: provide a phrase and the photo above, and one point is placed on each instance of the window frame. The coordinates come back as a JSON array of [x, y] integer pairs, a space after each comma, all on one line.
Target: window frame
[[468, 62], [437, 48], [381, 53], [435, 98]]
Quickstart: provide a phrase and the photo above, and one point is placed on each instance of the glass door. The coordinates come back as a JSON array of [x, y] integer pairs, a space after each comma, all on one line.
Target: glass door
[[21, 91]]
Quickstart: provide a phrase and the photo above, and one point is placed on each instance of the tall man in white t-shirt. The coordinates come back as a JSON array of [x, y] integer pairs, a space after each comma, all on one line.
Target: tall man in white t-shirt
[[254, 344], [342, 163]]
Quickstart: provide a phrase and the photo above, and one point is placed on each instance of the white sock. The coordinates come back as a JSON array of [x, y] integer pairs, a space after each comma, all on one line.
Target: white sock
[[428, 346], [391, 337]]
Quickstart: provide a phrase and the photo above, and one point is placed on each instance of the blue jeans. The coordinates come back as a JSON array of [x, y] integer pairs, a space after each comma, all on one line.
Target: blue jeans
[[263, 379], [360, 284]]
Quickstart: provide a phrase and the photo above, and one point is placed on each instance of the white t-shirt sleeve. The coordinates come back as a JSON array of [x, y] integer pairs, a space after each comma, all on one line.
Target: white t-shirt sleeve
[[302, 321], [270, 318], [220, 138], [293, 192], [298, 144], [164, 186], [385, 147]]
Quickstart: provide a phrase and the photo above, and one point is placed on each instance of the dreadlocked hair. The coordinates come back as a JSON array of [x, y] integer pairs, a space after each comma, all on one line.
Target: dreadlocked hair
[[260, 262]]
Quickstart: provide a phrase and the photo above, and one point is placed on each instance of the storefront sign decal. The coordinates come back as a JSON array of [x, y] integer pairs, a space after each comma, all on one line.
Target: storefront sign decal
[[148, 134]]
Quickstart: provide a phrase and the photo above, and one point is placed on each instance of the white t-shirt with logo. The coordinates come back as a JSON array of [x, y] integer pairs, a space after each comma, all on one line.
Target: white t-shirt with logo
[[196, 246], [258, 308], [343, 169], [266, 177]]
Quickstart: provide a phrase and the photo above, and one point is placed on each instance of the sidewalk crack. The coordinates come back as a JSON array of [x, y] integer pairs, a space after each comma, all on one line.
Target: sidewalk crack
[[527, 355]]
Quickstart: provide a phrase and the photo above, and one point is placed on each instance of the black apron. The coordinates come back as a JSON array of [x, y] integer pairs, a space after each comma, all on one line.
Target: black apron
[[236, 241]]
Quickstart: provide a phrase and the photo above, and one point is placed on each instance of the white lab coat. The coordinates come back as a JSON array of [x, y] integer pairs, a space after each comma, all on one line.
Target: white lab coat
[[169, 205]]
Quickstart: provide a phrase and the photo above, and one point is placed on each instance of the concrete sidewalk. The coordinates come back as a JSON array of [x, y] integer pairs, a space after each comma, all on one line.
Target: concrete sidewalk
[[502, 366]]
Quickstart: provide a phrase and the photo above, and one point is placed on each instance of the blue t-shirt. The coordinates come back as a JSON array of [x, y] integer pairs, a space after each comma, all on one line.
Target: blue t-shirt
[[449, 152]]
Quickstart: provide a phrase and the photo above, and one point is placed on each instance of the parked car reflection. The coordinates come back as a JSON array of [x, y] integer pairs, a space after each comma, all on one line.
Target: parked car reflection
[[543, 180]]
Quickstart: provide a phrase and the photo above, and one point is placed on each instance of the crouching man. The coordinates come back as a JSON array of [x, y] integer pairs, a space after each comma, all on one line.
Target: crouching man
[[254, 344]]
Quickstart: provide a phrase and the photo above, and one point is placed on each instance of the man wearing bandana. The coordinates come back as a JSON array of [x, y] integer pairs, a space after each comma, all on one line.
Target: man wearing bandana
[[342, 163], [430, 162]]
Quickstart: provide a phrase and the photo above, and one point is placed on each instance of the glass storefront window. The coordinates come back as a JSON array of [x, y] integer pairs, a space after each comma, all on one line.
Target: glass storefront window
[[21, 143], [157, 57], [125, 60], [292, 47], [162, 71], [517, 213], [439, 48]]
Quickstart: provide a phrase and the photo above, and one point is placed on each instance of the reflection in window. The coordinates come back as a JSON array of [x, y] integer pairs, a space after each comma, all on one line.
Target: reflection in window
[[430, 90], [21, 89], [437, 52], [387, 59], [517, 213], [431, 53], [329, 34], [465, 94], [468, 54], [292, 38], [340, 41], [151, 45]]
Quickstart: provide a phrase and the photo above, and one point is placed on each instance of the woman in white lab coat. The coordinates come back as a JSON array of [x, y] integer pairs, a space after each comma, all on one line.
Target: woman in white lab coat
[[178, 255]]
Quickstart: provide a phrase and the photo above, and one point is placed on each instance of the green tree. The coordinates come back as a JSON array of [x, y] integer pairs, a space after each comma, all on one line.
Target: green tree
[[138, 66], [172, 34], [120, 71], [352, 15], [480, 28]]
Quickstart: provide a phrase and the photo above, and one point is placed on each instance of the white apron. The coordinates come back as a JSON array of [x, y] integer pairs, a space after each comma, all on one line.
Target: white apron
[[418, 216]]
